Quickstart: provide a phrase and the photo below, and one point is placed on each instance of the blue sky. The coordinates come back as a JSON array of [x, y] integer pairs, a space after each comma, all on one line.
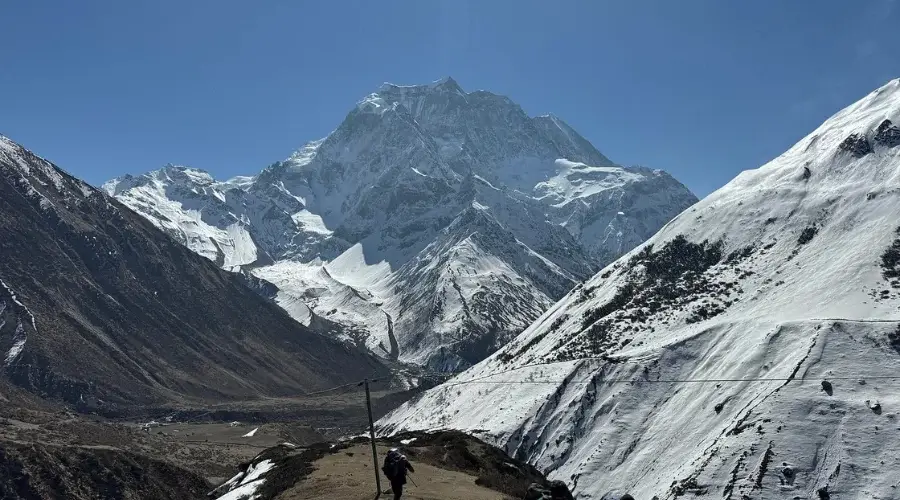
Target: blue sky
[[701, 88]]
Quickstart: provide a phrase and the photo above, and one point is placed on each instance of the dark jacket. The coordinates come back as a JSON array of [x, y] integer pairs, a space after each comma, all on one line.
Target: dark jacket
[[401, 467]]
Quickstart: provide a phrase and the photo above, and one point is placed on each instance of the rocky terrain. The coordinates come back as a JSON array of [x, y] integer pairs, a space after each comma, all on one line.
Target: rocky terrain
[[101, 310], [48, 450], [31, 471], [747, 350], [125, 356], [448, 466], [431, 226]]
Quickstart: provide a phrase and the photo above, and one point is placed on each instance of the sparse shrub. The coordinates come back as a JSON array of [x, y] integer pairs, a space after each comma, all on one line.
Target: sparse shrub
[[890, 262], [807, 235], [740, 254], [894, 339], [622, 297], [673, 276], [558, 322]]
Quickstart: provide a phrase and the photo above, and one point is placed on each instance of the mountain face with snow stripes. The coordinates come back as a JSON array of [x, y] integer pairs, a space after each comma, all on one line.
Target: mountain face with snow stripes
[[101, 310], [750, 349], [433, 224]]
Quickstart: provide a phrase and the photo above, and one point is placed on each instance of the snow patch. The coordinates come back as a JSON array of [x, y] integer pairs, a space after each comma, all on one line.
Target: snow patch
[[243, 485], [375, 104], [243, 492], [19, 335], [256, 471]]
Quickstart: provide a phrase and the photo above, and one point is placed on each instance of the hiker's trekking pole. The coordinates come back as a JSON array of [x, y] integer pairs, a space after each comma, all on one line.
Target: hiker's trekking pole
[[413, 481]]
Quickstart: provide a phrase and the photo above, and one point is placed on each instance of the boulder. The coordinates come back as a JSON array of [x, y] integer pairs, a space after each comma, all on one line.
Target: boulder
[[554, 490]]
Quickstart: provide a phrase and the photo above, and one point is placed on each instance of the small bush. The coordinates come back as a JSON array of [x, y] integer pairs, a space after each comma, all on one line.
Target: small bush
[[807, 235], [890, 261]]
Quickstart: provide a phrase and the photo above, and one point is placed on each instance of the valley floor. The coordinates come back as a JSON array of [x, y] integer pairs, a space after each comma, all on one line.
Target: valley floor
[[183, 451]]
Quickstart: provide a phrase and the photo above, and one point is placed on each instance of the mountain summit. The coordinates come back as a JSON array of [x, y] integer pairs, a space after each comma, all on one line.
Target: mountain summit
[[750, 349], [434, 224]]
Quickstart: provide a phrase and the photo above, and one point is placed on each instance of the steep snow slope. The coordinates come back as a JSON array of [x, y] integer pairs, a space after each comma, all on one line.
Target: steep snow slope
[[434, 224], [199, 219], [750, 349]]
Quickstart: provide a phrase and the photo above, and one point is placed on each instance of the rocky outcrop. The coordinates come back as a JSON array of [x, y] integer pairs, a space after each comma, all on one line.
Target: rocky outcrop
[[887, 134], [856, 144], [554, 490]]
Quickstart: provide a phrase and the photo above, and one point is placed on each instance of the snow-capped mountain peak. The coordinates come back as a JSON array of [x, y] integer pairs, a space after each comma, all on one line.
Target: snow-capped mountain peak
[[446, 84], [866, 127], [433, 223], [174, 175]]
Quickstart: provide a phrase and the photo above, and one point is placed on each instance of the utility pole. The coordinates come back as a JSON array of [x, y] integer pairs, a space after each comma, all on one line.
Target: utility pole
[[372, 435]]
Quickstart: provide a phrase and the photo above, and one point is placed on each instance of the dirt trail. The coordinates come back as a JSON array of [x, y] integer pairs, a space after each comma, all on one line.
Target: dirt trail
[[347, 475]]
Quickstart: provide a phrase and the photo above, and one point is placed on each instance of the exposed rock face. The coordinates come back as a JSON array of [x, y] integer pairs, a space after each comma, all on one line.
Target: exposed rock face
[[555, 490], [887, 134], [857, 145]]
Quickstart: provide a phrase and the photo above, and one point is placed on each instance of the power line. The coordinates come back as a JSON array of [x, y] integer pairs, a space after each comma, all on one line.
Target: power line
[[331, 389], [671, 381], [358, 383], [483, 379]]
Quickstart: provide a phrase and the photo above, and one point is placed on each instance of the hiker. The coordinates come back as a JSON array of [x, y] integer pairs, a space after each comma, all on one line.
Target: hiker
[[395, 467]]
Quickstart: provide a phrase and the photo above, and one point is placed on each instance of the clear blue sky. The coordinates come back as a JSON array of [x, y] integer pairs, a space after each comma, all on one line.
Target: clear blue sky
[[701, 88]]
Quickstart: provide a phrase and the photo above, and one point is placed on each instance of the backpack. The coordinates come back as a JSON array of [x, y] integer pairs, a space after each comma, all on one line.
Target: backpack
[[393, 465]]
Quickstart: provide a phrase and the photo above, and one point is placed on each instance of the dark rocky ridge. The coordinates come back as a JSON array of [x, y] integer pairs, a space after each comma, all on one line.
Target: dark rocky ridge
[[125, 315], [43, 472]]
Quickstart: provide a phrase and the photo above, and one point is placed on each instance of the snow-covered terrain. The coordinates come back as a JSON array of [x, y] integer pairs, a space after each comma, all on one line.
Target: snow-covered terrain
[[433, 225], [750, 349], [243, 485]]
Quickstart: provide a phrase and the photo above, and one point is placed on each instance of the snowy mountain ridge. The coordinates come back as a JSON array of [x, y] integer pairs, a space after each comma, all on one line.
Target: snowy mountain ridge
[[434, 224], [750, 349]]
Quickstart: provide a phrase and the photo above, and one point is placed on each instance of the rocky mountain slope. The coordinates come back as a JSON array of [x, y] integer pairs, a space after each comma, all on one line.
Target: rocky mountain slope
[[38, 471], [99, 308], [433, 225], [750, 349]]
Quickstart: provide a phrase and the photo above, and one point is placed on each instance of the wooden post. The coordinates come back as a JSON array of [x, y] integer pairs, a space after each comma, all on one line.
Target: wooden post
[[372, 435]]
